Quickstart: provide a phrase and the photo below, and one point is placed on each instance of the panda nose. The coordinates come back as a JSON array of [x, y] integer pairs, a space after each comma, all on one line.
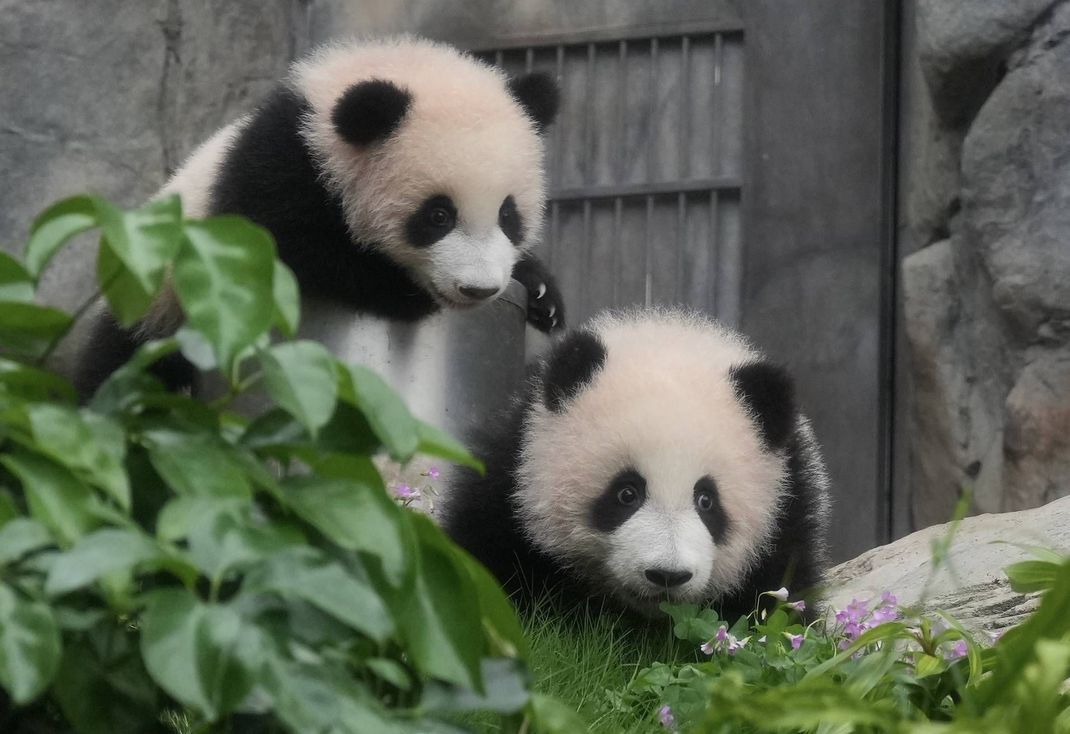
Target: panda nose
[[666, 578], [477, 294]]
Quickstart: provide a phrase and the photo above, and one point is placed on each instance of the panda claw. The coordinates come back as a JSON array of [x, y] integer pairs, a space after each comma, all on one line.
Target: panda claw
[[553, 322], [553, 310], [541, 291]]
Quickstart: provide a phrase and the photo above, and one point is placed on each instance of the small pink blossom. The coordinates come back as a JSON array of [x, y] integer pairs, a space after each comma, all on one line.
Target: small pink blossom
[[735, 645], [404, 491], [722, 634], [780, 594], [958, 650], [707, 648], [798, 606], [796, 641], [433, 472], [666, 718]]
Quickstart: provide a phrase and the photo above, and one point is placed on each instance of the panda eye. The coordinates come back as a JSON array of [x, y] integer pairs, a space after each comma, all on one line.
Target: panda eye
[[439, 217], [704, 501], [627, 496]]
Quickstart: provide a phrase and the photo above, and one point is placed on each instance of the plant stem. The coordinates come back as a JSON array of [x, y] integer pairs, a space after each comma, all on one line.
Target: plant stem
[[77, 316]]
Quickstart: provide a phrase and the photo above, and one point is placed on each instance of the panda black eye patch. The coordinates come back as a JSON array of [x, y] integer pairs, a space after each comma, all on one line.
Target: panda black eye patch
[[510, 221], [710, 510], [621, 498], [435, 219]]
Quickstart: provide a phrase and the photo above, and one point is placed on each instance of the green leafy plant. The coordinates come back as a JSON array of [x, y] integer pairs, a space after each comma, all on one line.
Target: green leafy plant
[[167, 560]]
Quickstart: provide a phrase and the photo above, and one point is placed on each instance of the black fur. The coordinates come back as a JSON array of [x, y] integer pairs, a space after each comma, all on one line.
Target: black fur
[[607, 512], [116, 346], [768, 391], [422, 227], [539, 95], [482, 516], [370, 111], [510, 221], [715, 519], [571, 365]]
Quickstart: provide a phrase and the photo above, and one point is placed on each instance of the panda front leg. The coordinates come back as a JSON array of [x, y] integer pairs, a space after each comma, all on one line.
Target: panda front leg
[[546, 310]]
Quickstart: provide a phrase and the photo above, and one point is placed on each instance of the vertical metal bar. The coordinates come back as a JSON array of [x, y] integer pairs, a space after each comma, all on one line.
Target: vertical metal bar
[[559, 136], [622, 92], [586, 262], [647, 236], [529, 59], [712, 265], [685, 107], [618, 207], [588, 121], [715, 144], [652, 111], [681, 245]]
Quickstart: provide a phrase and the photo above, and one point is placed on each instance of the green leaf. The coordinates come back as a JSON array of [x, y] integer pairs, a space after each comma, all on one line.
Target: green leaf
[[181, 514], [21, 536], [553, 717], [128, 301], [390, 671], [223, 277], [15, 283], [436, 442], [98, 554], [316, 698], [203, 655], [357, 515], [145, 240], [227, 542], [507, 684], [196, 464], [327, 586], [196, 349], [926, 665], [90, 445], [56, 225], [301, 378], [28, 329], [102, 686], [439, 620], [498, 613], [287, 299], [1027, 577], [385, 411], [33, 383], [29, 646], [56, 497]]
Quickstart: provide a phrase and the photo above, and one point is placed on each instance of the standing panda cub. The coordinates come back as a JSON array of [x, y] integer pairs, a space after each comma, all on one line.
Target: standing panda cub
[[398, 177], [654, 455]]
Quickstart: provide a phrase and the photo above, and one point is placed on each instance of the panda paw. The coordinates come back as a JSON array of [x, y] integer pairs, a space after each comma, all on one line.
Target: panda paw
[[546, 310]]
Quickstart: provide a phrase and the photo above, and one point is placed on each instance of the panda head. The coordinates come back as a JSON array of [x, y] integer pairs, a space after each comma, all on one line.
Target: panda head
[[654, 457], [436, 157]]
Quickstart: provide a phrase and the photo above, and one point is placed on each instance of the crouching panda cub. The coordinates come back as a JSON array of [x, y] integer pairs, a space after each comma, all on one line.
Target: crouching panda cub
[[398, 177], [654, 455]]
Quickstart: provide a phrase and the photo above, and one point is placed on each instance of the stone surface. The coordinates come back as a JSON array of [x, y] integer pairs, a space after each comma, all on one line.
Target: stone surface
[[963, 46], [987, 311], [110, 96], [971, 585]]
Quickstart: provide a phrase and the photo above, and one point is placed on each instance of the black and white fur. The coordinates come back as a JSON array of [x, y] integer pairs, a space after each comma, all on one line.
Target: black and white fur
[[653, 455], [397, 176]]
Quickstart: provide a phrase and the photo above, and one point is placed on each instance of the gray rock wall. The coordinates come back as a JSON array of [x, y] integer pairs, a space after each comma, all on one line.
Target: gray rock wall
[[109, 97], [985, 225]]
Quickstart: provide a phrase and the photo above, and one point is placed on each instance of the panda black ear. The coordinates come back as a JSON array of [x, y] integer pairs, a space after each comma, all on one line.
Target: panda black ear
[[369, 111], [538, 94], [572, 364], [768, 391]]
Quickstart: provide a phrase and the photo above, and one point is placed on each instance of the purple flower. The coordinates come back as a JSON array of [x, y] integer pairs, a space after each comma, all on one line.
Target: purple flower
[[888, 599], [404, 491], [781, 594], [666, 718], [433, 472], [722, 634], [798, 606], [958, 650], [884, 614], [735, 645], [796, 641], [857, 611], [707, 648], [994, 636]]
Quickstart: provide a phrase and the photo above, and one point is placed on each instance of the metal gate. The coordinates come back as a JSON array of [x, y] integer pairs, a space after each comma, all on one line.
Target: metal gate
[[644, 201]]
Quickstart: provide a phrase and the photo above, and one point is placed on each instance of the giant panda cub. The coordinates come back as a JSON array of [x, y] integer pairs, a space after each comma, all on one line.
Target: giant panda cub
[[398, 176], [654, 455]]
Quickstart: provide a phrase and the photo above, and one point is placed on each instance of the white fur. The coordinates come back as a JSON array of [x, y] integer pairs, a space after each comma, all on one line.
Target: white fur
[[463, 136], [662, 404]]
